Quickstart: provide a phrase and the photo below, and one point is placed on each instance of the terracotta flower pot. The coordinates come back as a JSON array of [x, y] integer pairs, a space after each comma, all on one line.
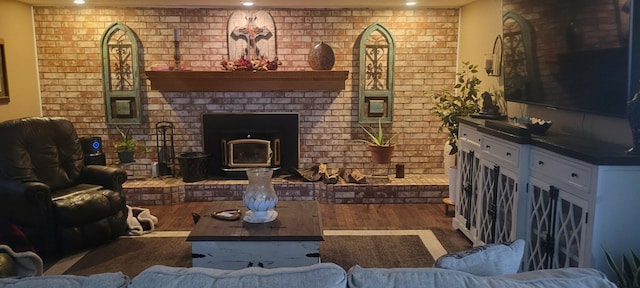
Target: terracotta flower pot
[[381, 154]]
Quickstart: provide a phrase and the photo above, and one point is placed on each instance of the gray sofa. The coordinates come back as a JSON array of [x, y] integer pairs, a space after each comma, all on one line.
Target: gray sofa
[[317, 276], [492, 265]]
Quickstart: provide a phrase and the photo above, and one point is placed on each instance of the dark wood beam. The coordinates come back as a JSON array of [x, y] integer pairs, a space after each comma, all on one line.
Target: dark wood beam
[[246, 81]]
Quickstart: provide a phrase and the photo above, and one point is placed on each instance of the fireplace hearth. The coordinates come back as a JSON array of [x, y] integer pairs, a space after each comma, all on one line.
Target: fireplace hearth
[[237, 141]]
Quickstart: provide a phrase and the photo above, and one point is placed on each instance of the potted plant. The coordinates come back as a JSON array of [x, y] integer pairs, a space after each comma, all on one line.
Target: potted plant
[[628, 272], [381, 146], [126, 147], [449, 107]]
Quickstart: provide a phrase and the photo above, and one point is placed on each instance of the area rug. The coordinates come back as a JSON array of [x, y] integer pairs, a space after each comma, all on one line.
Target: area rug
[[132, 255], [369, 248], [375, 251]]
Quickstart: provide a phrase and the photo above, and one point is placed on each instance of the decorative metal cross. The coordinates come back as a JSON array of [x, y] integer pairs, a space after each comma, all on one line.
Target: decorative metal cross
[[251, 33], [120, 58], [376, 68]]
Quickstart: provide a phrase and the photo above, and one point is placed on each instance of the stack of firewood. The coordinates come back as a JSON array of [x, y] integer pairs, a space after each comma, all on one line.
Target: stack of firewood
[[322, 173]]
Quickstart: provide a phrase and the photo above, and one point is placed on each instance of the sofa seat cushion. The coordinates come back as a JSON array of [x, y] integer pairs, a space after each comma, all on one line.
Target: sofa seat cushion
[[436, 277], [321, 275], [104, 280], [487, 260]]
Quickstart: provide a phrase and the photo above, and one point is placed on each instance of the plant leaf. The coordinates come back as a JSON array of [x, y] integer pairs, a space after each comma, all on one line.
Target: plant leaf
[[636, 277], [627, 270], [373, 138], [379, 137], [612, 264]]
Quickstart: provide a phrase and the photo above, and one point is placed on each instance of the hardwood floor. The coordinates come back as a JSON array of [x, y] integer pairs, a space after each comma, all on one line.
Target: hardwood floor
[[341, 217]]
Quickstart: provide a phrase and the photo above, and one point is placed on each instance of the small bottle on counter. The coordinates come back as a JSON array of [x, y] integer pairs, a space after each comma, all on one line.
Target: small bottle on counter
[[154, 169]]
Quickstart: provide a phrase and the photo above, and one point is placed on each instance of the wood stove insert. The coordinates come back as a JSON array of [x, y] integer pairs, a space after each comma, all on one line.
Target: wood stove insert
[[237, 141]]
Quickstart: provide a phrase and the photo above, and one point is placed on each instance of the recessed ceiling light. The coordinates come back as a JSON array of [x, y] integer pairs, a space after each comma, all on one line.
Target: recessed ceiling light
[[247, 3], [78, 1], [411, 3]]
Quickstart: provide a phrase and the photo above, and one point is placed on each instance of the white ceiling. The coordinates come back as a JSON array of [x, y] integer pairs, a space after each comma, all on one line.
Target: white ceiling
[[329, 4]]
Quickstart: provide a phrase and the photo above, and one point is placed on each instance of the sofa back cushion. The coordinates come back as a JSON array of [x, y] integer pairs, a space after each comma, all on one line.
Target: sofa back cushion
[[103, 280], [43, 149], [321, 275], [436, 277]]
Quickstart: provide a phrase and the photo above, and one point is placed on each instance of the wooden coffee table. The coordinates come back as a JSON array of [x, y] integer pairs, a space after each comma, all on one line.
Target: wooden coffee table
[[293, 239]]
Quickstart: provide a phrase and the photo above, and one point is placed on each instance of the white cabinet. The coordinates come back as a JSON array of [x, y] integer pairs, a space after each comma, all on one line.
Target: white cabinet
[[559, 210], [577, 210], [488, 185], [570, 199]]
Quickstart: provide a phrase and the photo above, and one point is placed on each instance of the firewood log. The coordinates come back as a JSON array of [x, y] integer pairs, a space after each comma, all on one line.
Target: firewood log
[[352, 176], [309, 175], [357, 177]]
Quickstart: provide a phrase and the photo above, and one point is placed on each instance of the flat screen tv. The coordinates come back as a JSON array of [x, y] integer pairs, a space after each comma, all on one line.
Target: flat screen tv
[[571, 54]]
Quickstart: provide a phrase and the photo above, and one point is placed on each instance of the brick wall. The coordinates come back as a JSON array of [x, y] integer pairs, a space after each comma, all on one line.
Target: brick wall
[[68, 50]]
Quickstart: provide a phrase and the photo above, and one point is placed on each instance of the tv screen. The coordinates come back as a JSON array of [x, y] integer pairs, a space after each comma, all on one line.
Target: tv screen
[[569, 54]]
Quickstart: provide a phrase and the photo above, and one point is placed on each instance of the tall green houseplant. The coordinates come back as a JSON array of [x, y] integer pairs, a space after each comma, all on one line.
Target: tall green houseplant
[[448, 107]]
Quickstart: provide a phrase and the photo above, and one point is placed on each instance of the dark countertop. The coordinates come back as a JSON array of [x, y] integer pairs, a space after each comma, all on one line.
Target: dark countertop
[[588, 150]]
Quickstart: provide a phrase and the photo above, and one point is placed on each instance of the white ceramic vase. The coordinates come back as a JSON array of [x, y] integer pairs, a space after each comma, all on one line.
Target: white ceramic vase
[[259, 197]]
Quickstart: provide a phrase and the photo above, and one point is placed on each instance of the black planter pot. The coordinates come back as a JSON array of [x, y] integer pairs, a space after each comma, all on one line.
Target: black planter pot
[[125, 156]]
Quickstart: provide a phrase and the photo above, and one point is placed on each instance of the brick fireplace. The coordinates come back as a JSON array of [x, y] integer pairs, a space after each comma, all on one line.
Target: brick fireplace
[[71, 80]]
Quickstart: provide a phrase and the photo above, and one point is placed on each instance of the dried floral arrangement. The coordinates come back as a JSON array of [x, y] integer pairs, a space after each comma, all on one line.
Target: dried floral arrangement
[[243, 64]]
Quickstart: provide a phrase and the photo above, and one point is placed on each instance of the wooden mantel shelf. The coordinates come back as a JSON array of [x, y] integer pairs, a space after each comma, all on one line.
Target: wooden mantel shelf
[[246, 81]]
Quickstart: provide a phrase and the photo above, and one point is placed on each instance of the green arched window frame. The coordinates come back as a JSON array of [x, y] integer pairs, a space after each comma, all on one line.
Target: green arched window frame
[[376, 81], [120, 75], [520, 68]]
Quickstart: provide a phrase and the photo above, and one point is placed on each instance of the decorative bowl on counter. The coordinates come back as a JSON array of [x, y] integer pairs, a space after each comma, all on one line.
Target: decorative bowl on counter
[[535, 125]]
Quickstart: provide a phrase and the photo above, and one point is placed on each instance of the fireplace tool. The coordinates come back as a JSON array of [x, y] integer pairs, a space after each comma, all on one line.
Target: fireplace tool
[[166, 152]]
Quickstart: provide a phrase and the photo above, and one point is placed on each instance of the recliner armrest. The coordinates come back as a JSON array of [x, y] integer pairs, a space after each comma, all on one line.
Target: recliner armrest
[[24, 200], [105, 176]]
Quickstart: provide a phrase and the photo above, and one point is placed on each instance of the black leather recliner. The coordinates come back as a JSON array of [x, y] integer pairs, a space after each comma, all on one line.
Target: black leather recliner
[[61, 204]]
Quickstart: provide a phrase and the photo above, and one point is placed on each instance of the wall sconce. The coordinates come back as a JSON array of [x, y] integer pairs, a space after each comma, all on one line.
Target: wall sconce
[[493, 61]]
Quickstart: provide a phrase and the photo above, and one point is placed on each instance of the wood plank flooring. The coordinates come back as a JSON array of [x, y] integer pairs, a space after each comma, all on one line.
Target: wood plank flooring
[[341, 217]]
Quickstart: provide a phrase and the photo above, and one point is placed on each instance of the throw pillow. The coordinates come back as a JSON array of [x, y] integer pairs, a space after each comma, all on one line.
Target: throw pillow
[[487, 260], [7, 266]]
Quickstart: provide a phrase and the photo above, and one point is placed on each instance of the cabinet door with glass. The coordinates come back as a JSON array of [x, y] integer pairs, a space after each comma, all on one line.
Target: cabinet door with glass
[[497, 205], [557, 228], [465, 218]]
